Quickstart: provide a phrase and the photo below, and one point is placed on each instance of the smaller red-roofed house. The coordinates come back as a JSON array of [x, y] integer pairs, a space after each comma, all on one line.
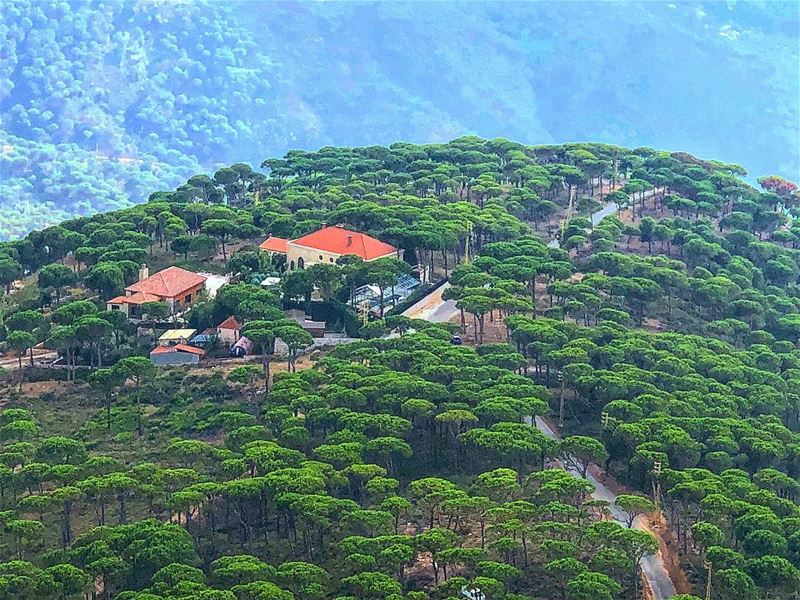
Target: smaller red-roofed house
[[327, 245], [175, 286], [180, 354], [229, 331]]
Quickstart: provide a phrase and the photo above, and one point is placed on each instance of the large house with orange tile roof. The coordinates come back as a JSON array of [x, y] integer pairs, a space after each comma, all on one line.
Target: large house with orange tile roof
[[327, 245], [177, 287]]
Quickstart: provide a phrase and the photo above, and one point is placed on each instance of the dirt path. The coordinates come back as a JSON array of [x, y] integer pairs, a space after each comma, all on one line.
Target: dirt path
[[226, 365], [658, 526], [39, 356]]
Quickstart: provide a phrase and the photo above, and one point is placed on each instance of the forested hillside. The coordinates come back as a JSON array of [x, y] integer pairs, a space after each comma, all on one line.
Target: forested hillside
[[611, 411], [102, 103]]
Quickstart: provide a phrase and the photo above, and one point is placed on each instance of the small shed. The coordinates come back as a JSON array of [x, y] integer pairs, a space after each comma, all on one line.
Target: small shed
[[179, 354], [229, 331], [242, 347], [176, 336], [315, 328]]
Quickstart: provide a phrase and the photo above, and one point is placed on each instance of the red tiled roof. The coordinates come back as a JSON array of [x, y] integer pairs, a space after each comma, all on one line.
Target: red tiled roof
[[191, 349], [162, 349], [172, 282], [338, 240], [274, 244], [177, 348], [135, 298], [230, 323]]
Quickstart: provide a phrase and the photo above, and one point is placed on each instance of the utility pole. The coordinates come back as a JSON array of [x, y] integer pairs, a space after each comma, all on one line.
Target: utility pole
[[363, 311], [560, 378], [657, 485], [468, 243]]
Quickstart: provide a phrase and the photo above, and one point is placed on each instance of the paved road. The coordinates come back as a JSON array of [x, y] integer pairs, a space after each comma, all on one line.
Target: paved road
[[606, 210], [432, 308], [653, 568]]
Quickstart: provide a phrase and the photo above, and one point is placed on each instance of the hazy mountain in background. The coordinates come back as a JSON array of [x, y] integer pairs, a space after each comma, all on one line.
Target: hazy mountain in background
[[103, 103]]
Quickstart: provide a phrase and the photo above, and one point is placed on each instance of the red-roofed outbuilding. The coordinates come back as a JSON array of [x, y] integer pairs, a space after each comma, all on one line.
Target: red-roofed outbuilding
[[229, 331], [180, 354]]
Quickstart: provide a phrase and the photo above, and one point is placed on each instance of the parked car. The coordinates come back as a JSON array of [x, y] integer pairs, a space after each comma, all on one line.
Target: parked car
[[455, 340]]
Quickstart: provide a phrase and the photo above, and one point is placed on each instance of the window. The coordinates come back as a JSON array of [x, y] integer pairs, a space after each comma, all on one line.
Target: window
[[187, 299], [331, 259], [320, 256], [291, 266], [115, 307], [301, 263]]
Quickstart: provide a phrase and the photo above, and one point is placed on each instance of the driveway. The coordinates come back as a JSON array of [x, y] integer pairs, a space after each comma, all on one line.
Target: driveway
[[433, 308]]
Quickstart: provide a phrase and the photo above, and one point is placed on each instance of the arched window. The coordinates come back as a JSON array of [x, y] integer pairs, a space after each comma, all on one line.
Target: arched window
[[291, 266], [301, 264]]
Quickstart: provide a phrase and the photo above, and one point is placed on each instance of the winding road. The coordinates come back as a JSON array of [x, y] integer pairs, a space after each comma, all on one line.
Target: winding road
[[653, 567], [660, 586], [608, 209], [654, 570]]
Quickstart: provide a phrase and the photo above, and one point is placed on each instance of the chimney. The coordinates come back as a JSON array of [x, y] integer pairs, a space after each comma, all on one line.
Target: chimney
[[349, 239], [144, 272], [324, 225]]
